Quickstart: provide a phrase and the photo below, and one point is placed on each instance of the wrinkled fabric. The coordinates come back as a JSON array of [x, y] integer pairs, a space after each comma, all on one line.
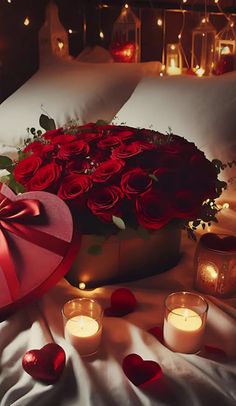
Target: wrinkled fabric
[[192, 379]]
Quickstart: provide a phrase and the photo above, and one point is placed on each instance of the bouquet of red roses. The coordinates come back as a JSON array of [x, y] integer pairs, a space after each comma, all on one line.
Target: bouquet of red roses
[[116, 176]]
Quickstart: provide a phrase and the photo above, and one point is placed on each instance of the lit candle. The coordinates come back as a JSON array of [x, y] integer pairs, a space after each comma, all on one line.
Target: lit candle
[[184, 327], [83, 325], [173, 69], [83, 333]]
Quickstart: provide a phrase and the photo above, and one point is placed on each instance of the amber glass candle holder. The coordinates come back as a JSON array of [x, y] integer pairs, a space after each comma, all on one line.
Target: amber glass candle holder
[[215, 265]]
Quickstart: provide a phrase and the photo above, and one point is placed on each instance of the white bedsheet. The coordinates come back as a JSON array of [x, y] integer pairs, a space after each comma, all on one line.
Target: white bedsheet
[[193, 380]]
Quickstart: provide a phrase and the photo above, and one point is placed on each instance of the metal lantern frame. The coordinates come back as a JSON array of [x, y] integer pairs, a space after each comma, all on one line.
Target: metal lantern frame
[[127, 29], [203, 47]]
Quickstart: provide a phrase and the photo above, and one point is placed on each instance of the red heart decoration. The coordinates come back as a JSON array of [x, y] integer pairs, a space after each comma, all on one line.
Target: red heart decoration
[[35, 268], [141, 372], [123, 302], [46, 364], [157, 332], [123, 52], [215, 242]]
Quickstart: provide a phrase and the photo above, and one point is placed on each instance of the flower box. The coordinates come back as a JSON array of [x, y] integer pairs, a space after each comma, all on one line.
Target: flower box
[[129, 255]]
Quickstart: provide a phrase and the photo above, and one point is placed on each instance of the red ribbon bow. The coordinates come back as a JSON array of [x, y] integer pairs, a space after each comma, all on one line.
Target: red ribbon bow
[[15, 217]]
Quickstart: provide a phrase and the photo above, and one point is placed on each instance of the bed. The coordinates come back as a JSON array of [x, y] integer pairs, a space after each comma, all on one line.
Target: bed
[[203, 111]]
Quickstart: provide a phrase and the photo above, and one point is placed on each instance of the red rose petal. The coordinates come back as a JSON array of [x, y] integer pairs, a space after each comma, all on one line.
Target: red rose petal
[[141, 372], [214, 351], [157, 332], [123, 302]]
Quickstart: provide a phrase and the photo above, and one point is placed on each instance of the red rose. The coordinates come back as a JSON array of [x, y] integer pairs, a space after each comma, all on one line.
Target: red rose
[[109, 142], [126, 151], [77, 166], [50, 134], [126, 133], [35, 147], [46, 178], [74, 186], [153, 210], [47, 150], [89, 136], [73, 149], [135, 182], [107, 170], [186, 204], [106, 202], [26, 168], [63, 139]]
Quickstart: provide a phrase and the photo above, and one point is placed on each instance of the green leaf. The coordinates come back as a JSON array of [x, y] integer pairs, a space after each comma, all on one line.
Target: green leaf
[[32, 130], [46, 122], [5, 162], [153, 177], [95, 249], [118, 222]]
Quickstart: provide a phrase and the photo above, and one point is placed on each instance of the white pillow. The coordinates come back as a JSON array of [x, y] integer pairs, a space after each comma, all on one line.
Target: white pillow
[[70, 90], [203, 110]]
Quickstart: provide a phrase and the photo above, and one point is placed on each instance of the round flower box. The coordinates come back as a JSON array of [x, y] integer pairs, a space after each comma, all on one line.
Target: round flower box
[[129, 255]]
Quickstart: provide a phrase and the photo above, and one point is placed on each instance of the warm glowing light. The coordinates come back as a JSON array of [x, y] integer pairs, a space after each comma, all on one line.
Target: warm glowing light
[[70, 31], [172, 47], [200, 72], [126, 5], [209, 272], [172, 63], [225, 206], [216, 1], [60, 44], [82, 285], [161, 74], [208, 229], [101, 35], [9, 1], [179, 36], [204, 20], [184, 1], [225, 51], [26, 21], [159, 22], [232, 24]]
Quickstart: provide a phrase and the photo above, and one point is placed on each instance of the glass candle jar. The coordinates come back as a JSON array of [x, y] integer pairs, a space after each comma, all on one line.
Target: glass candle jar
[[184, 322], [215, 265], [83, 325]]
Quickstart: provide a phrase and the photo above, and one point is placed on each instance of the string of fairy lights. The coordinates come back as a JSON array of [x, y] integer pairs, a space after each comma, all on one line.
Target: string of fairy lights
[[160, 22]]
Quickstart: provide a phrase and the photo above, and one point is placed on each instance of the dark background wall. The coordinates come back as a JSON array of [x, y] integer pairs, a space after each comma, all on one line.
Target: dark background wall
[[19, 43]]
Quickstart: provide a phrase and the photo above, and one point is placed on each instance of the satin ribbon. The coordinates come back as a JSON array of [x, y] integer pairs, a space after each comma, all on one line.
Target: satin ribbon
[[15, 217]]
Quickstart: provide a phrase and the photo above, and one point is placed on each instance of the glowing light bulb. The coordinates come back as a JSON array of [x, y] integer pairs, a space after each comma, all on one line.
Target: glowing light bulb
[[172, 47], [179, 36], [216, 1], [159, 22], [101, 35], [184, 1], [126, 5], [161, 74], [70, 31], [204, 20], [26, 21], [82, 285], [9, 1]]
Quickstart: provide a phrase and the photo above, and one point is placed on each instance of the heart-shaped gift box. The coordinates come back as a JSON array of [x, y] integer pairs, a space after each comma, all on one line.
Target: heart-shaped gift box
[[38, 243]]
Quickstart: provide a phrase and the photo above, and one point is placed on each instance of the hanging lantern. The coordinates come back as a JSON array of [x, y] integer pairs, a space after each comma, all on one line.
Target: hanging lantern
[[53, 38], [173, 59], [203, 48], [225, 50], [125, 42]]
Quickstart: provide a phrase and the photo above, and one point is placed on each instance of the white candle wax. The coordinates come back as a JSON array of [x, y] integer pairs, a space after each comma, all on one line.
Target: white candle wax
[[173, 70], [84, 333], [183, 330]]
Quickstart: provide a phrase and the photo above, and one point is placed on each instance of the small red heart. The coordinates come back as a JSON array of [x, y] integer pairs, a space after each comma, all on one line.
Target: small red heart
[[123, 302], [46, 364], [214, 351], [157, 332], [141, 372]]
